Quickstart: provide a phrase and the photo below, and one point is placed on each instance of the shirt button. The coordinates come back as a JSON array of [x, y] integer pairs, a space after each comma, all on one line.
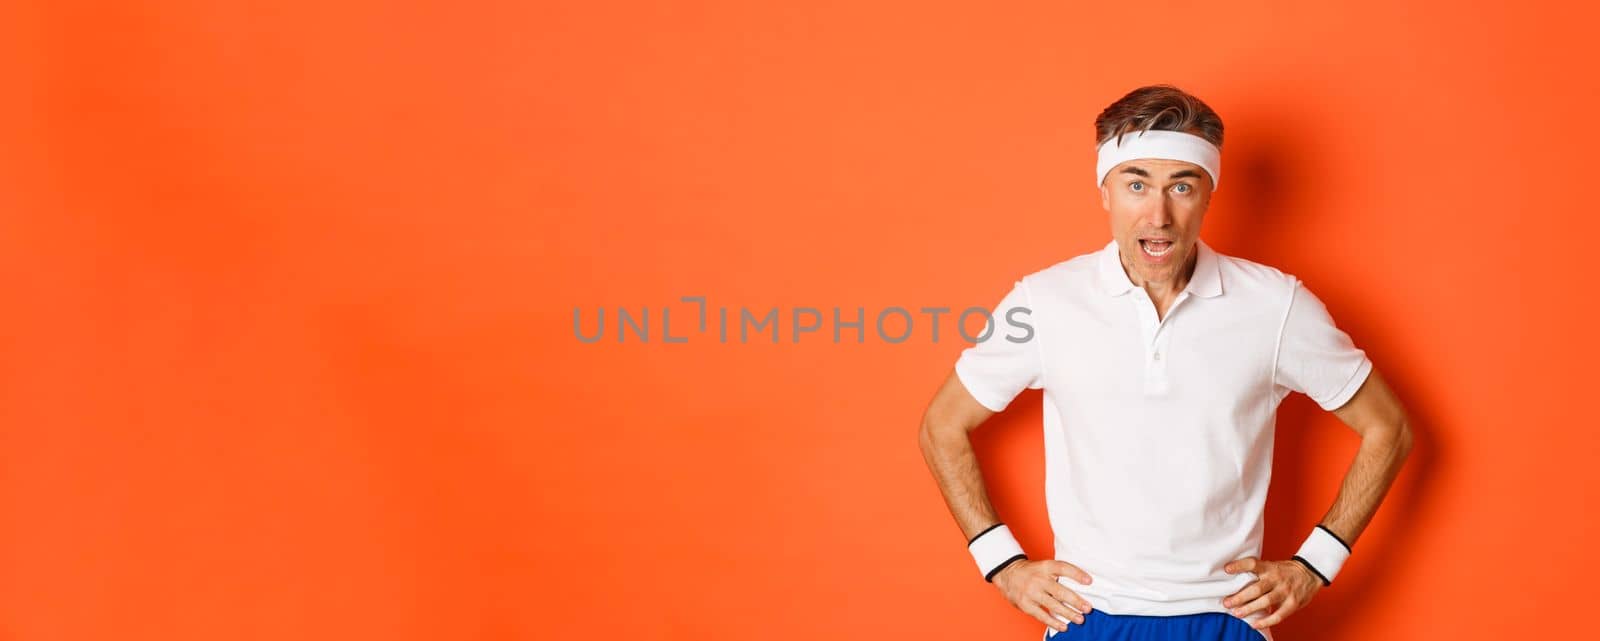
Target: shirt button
[[1158, 356]]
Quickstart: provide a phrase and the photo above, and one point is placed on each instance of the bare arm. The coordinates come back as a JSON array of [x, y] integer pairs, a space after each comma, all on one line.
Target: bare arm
[[946, 447], [1030, 586], [1377, 416]]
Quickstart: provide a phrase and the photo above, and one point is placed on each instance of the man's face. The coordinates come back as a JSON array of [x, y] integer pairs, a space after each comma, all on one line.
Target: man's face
[[1156, 207]]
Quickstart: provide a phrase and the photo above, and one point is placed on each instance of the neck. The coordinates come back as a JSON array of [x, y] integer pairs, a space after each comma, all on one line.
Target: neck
[[1163, 291]]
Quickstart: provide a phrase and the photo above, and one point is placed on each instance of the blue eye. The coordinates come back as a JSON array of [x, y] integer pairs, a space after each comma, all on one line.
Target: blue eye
[[1185, 187], [1136, 186]]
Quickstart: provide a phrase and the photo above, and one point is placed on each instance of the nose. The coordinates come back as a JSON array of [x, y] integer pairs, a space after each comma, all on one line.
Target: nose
[[1160, 214]]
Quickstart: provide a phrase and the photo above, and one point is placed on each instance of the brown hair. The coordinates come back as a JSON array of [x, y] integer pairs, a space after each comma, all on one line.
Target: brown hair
[[1158, 107]]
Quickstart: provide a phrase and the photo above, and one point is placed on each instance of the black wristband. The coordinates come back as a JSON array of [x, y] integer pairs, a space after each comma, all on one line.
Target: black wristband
[[975, 537], [990, 576], [1313, 568]]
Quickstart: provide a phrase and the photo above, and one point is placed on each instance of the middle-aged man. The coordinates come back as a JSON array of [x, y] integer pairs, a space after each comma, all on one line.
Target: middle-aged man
[[1163, 364]]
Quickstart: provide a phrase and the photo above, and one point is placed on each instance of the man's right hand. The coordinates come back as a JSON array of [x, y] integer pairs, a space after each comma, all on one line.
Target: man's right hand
[[1031, 587]]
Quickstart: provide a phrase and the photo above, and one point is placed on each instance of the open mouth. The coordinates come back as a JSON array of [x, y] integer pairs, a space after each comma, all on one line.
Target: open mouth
[[1156, 248]]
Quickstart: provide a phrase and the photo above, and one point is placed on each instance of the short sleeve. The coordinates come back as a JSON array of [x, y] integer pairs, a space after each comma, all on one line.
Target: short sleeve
[[1315, 357], [996, 369]]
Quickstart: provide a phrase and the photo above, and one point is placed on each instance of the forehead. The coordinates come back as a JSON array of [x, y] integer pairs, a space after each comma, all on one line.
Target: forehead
[[1160, 168]]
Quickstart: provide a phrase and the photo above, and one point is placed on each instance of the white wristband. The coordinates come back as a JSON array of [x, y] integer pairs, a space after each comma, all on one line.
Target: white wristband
[[1323, 552], [994, 549]]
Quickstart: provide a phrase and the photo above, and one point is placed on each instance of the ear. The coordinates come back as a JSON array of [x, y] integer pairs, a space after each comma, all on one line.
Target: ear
[[1105, 197]]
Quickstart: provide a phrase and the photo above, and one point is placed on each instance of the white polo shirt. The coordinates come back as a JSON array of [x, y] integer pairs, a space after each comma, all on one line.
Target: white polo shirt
[[1158, 433]]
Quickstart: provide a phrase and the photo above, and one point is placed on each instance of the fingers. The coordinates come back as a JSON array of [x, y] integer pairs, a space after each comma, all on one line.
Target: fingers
[[1248, 594], [1062, 568], [1033, 610], [1041, 595], [1260, 603], [1038, 592], [1273, 594], [1276, 617], [1073, 599], [1246, 564], [1060, 610]]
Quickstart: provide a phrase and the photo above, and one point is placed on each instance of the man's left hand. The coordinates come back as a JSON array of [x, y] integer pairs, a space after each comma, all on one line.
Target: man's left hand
[[1280, 588]]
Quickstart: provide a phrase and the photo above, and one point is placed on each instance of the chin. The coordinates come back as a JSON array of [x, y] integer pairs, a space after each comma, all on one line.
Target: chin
[[1155, 275]]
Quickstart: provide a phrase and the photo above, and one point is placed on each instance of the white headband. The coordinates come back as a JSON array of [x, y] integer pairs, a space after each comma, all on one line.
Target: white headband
[[1158, 143]]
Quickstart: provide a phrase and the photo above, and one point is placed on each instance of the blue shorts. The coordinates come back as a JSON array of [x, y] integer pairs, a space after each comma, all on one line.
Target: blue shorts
[[1205, 626]]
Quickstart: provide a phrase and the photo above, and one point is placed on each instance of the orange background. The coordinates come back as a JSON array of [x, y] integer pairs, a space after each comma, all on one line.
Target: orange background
[[288, 350]]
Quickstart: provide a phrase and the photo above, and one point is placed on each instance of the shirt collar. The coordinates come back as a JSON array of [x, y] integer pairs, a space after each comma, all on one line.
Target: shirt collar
[[1205, 282]]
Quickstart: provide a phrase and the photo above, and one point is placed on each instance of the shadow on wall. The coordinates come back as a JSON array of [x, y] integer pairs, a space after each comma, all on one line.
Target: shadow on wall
[[1274, 171]]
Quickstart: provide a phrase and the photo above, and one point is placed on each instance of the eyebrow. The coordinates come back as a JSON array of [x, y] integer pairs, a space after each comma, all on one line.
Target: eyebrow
[[1186, 173]]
